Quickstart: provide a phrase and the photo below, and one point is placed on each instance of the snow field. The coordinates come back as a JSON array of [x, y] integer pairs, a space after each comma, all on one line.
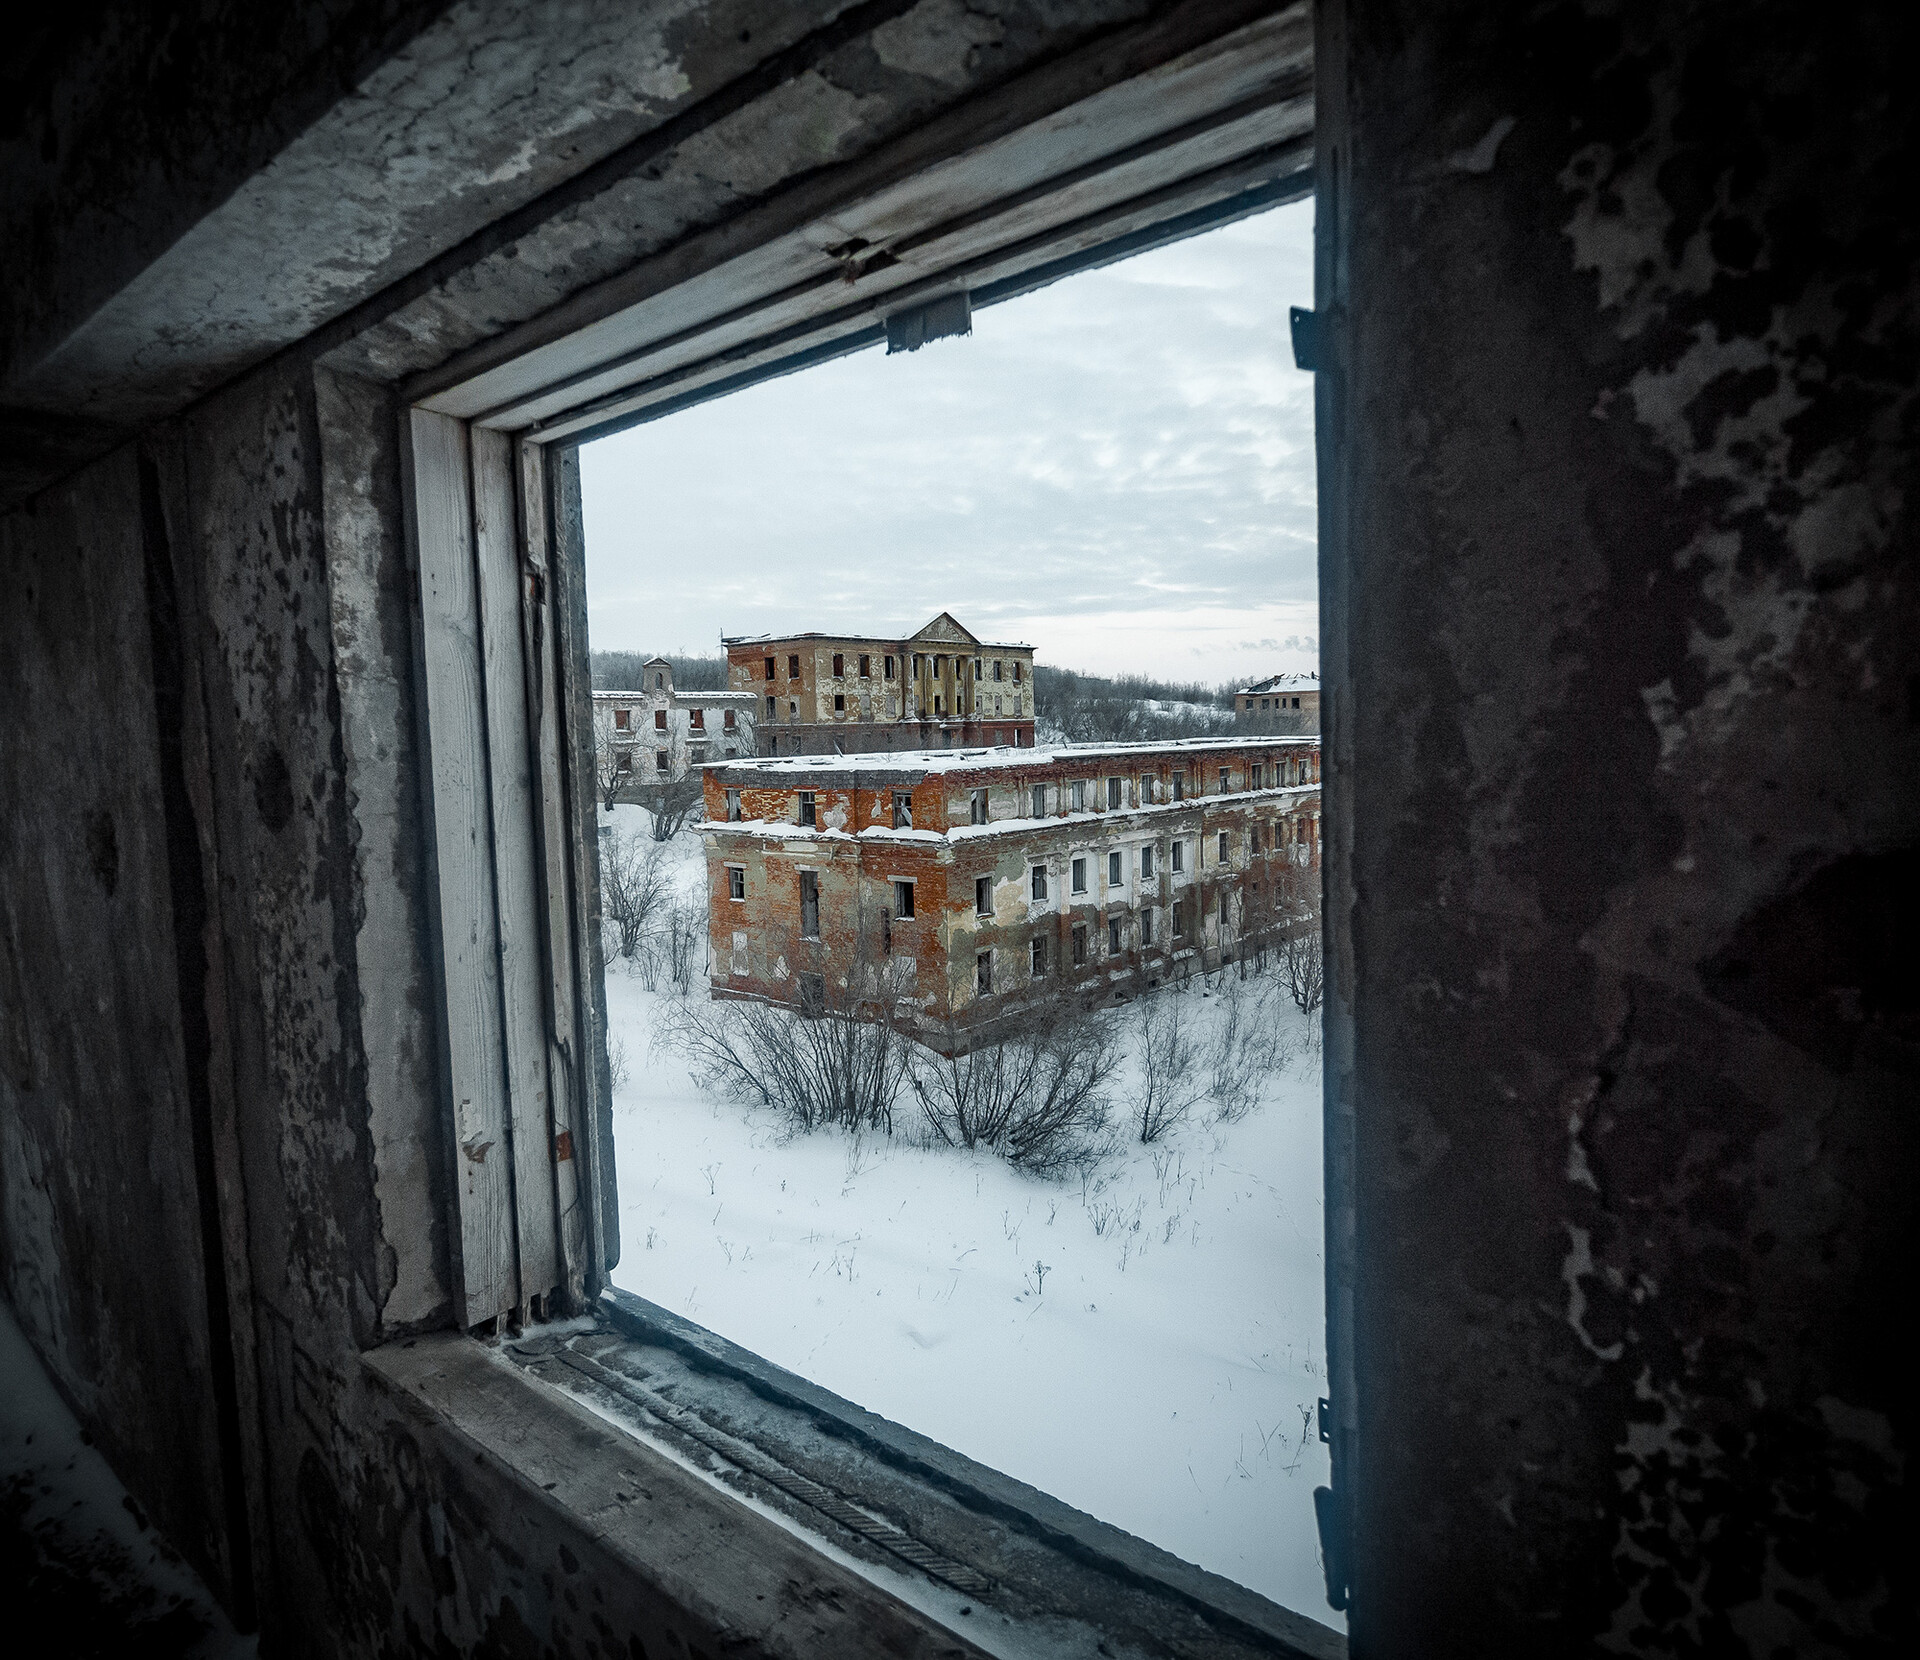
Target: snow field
[[1144, 1342]]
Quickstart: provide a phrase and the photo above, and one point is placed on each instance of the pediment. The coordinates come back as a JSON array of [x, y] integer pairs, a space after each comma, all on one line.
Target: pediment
[[944, 631]]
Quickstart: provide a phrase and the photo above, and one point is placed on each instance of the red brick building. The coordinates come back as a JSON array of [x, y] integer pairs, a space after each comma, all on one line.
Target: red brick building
[[831, 694], [968, 882]]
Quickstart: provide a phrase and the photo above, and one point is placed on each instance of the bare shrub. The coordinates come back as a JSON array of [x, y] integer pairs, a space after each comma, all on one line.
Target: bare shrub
[[834, 1065], [1249, 1046], [1303, 969], [671, 804], [1167, 1051], [634, 888], [1035, 1093], [682, 937], [617, 1073]]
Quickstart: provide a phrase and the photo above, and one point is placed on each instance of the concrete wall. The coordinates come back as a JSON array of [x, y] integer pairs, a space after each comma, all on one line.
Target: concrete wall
[[1618, 566]]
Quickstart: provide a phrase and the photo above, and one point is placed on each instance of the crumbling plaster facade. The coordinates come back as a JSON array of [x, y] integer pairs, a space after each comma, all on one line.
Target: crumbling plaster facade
[[1621, 628]]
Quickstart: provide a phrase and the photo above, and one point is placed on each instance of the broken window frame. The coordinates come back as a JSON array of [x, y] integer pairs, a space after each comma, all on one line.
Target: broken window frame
[[983, 896], [977, 806], [903, 809], [806, 806], [903, 898], [1037, 883], [737, 883], [809, 903]]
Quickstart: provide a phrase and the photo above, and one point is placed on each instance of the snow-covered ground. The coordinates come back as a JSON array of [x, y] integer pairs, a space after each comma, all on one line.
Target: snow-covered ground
[[1144, 1342]]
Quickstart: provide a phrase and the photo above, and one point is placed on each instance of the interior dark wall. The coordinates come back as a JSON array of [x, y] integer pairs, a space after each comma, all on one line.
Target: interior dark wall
[[1618, 406]]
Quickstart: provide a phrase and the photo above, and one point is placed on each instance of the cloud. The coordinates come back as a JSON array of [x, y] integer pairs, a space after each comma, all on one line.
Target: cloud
[[1118, 468]]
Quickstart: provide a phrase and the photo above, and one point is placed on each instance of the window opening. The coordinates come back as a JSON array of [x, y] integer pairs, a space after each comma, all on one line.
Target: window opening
[[767, 944]]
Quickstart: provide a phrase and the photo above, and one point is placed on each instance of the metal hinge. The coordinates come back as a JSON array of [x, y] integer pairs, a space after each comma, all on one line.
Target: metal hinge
[[1306, 338]]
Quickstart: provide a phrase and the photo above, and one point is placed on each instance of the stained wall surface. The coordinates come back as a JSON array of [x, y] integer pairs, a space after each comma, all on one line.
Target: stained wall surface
[[1618, 561]]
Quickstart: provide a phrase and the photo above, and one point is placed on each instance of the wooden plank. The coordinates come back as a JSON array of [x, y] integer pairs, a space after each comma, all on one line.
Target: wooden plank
[[572, 1144], [519, 881], [452, 683], [567, 553]]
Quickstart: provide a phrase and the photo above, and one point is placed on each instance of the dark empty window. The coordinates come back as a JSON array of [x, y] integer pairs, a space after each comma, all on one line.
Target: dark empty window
[[983, 896], [813, 994], [809, 905], [1080, 875], [623, 762], [1146, 864], [1080, 946], [1037, 953], [660, 760], [983, 972], [1116, 794], [903, 900], [736, 882], [1039, 882], [1179, 786], [978, 802], [1225, 775], [1113, 936], [1146, 926], [807, 814], [623, 720], [659, 720], [1146, 789], [1180, 919], [839, 703], [727, 721], [999, 671], [1016, 673], [769, 668], [839, 665], [1039, 800], [866, 667], [733, 806], [1079, 795], [1223, 847], [1116, 873], [1179, 857], [902, 810], [888, 662], [793, 668], [697, 719], [769, 708]]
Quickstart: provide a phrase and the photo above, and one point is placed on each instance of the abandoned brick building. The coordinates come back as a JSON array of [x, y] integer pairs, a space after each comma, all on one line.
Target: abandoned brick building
[[1288, 703], [304, 1124], [825, 694], [654, 734], [968, 884]]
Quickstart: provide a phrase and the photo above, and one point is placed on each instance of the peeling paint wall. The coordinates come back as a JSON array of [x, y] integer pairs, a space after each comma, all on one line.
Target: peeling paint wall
[[1618, 558]]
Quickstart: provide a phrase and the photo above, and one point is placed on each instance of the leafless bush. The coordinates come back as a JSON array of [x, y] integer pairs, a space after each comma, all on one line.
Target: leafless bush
[[1302, 969], [1035, 1093], [1168, 1052], [1249, 1045], [616, 1065], [681, 939], [634, 888], [671, 804], [838, 1065]]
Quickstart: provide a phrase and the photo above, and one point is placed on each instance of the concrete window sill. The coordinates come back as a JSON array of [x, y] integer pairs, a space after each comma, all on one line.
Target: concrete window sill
[[721, 1482]]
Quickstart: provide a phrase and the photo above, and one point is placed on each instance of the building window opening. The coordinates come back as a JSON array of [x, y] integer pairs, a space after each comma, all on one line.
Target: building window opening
[[660, 762], [809, 555], [623, 720], [1223, 847], [1179, 857], [623, 762]]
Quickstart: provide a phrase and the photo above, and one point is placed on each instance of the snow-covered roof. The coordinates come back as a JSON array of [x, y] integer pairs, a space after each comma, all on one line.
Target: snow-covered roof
[[1283, 683], [680, 700], [918, 762], [919, 637]]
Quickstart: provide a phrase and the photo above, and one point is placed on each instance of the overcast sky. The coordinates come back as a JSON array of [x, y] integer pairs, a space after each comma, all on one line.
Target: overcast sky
[[1117, 469]]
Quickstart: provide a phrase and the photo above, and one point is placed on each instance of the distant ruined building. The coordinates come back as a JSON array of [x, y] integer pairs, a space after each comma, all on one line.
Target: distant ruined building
[[1286, 704], [963, 887], [837, 694], [652, 734]]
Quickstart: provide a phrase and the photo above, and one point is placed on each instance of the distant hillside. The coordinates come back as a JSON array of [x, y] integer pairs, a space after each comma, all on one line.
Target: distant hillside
[[619, 671], [1091, 708]]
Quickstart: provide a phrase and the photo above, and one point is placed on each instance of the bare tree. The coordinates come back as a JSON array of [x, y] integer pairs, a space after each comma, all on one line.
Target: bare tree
[[671, 803], [1166, 1052], [1303, 968], [1034, 1092], [609, 776], [685, 933], [634, 886]]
